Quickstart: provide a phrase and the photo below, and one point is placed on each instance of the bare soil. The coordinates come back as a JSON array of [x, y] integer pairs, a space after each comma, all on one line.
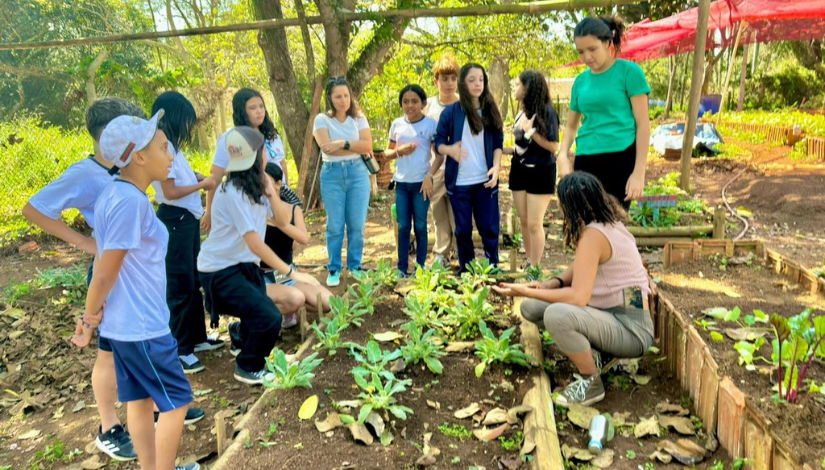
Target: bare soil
[[694, 286]]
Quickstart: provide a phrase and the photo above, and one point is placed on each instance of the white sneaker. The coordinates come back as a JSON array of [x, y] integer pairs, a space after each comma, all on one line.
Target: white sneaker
[[289, 321], [442, 260]]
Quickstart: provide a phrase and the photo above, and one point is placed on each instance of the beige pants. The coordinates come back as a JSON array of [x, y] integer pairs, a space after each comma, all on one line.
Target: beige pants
[[443, 219]]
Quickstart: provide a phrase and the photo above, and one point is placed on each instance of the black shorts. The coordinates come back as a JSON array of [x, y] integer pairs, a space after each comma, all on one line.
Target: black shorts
[[539, 179], [612, 169]]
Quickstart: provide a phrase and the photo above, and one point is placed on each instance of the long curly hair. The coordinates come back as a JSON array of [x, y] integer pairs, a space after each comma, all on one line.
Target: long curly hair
[[490, 116], [583, 200], [250, 182], [536, 98], [267, 128]]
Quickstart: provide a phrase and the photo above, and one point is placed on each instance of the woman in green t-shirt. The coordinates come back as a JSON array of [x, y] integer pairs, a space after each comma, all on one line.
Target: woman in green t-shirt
[[608, 115]]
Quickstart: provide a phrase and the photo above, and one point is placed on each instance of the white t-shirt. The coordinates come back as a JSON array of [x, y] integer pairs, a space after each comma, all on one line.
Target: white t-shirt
[[433, 110], [233, 216], [413, 168], [474, 169], [349, 130], [78, 187], [274, 152], [183, 175], [136, 307]]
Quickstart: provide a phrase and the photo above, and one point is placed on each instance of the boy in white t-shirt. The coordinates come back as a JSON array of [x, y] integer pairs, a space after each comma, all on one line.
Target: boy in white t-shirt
[[78, 188], [130, 282], [445, 71]]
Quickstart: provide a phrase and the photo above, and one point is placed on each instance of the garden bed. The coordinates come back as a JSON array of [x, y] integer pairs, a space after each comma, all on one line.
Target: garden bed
[[736, 401]]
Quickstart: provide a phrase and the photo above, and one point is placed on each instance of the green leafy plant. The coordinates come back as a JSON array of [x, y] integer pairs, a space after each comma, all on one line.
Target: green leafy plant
[[380, 394], [491, 349], [350, 314], [291, 374], [455, 430], [330, 336], [384, 273], [428, 280], [364, 294], [373, 361], [421, 347], [512, 443], [704, 324], [747, 352], [735, 316], [422, 312], [799, 340], [479, 273], [15, 292], [466, 315]]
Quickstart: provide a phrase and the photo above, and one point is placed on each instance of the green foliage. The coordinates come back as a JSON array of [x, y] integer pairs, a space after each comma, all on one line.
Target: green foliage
[[513, 443], [479, 274], [421, 347], [384, 273], [374, 360], [799, 340], [291, 375], [492, 349], [467, 314], [811, 124], [364, 294], [422, 312], [330, 337], [15, 292], [455, 430], [643, 215], [378, 394], [350, 314], [788, 83], [71, 280]]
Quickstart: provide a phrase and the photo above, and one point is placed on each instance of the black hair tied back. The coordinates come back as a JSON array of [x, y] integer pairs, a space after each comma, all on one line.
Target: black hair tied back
[[606, 28]]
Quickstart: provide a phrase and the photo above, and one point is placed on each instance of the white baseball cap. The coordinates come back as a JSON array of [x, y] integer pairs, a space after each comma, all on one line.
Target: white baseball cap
[[242, 145], [125, 135]]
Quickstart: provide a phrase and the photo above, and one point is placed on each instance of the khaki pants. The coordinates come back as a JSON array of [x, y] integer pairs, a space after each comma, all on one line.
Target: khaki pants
[[443, 219]]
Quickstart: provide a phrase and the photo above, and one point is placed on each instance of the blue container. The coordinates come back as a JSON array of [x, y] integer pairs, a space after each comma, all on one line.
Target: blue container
[[710, 104]]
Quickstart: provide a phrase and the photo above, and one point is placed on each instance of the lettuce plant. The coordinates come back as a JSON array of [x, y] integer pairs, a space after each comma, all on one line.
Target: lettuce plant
[[348, 313]]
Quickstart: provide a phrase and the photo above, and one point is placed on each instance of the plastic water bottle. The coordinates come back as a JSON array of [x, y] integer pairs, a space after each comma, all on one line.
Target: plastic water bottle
[[598, 434]]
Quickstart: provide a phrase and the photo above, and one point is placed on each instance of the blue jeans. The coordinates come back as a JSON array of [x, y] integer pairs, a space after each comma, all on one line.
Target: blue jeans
[[345, 191], [410, 207], [479, 203]]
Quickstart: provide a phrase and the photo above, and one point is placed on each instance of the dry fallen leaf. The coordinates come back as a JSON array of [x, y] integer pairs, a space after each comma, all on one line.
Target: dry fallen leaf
[[570, 452], [744, 334], [621, 419], [496, 416], [31, 434], [671, 408], [647, 427], [360, 433], [434, 404], [581, 415], [387, 336], [605, 459], [92, 463], [485, 434], [458, 346], [468, 411], [681, 425], [684, 451], [333, 421], [641, 379], [308, 408], [425, 460], [663, 457]]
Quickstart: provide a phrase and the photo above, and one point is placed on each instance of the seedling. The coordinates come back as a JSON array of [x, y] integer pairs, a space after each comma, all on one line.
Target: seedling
[[479, 273], [747, 353], [475, 309], [799, 340], [455, 430], [364, 294], [349, 314], [384, 273], [422, 313], [291, 375], [512, 443], [421, 347], [491, 349], [375, 361], [380, 394], [330, 337]]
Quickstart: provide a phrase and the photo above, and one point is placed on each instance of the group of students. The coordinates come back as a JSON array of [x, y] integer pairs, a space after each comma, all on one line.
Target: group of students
[[149, 266]]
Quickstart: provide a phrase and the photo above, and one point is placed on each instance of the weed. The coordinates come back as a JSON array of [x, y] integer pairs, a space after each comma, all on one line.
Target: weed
[[455, 430], [72, 280], [248, 442], [15, 292], [649, 466], [455, 460], [630, 454], [512, 443]]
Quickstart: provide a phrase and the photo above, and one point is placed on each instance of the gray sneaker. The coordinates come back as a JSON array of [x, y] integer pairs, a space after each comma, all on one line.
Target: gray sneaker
[[253, 378], [584, 391], [189, 466]]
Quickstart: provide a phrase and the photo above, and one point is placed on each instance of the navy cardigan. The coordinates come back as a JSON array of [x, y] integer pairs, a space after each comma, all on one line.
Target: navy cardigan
[[450, 128]]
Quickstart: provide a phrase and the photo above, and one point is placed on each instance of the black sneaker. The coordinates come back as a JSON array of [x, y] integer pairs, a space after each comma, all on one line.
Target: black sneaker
[[193, 415], [252, 378], [191, 364], [235, 338], [211, 343], [116, 443], [189, 466]]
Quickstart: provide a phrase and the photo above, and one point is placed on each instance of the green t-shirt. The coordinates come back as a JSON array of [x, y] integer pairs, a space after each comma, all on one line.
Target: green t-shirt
[[603, 100]]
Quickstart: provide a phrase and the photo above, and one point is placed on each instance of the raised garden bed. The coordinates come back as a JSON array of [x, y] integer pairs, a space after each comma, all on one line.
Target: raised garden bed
[[433, 431], [715, 290]]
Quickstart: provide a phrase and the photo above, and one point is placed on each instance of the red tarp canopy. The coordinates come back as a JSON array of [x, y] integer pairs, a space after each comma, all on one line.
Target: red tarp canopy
[[768, 20]]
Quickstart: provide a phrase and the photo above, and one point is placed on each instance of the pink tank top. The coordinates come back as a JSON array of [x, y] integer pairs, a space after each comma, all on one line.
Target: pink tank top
[[623, 269]]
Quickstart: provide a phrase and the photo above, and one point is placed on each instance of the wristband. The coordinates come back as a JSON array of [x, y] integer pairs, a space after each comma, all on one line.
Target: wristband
[[346, 145], [291, 270], [561, 281], [431, 175]]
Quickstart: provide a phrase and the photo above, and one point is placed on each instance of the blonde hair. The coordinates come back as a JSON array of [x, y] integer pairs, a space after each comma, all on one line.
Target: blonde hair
[[445, 65]]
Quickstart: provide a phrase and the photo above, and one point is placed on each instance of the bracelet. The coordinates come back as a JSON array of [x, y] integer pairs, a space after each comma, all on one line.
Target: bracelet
[[431, 175], [561, 281], [291, 270]]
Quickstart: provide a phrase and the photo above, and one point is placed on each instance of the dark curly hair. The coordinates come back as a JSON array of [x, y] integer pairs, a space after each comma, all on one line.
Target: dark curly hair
[[536, 98], [267, 128], [250, 182], [490, 116], [583, 200]]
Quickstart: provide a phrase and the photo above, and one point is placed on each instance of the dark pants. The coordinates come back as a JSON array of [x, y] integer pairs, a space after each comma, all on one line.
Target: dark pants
[[183, 289], [612, 169], [240, 289], [411, 207], [479, 203]]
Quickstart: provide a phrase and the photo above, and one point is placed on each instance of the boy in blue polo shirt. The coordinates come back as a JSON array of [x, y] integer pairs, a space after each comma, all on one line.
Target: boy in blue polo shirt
[[127, 295]]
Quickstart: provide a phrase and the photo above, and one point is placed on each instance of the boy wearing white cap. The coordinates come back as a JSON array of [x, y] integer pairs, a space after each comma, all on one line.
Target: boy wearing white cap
[[127, 295]]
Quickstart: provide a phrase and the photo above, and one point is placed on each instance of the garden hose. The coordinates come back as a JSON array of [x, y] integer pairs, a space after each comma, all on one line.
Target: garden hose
[[730, 210]]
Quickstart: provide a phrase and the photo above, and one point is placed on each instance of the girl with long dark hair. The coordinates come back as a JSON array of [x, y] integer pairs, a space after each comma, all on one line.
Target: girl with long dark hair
[[608, 116], [180, 210], [470, 133], [229, 260], [344, 135], [248, 109], [411, 138], [533, 168], [600, 303]]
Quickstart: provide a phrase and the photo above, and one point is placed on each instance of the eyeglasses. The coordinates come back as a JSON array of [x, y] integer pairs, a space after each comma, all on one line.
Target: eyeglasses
[[338, 80]]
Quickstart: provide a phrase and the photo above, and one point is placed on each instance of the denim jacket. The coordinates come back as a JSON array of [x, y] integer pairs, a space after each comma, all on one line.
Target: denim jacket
[[449, 130]]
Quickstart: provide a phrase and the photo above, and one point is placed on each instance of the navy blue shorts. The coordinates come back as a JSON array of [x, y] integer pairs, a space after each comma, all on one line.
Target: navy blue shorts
[[151, 369], [103, 344]]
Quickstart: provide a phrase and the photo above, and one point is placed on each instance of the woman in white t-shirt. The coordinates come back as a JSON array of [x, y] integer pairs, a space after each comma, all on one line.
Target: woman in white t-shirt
[[411, 142], [343, 134], [248, 109]]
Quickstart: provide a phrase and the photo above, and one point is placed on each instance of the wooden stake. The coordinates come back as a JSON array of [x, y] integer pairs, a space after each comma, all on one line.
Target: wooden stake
[[319, 299], [302, 316], [220, 430], [719, 222], [513, 258], [695, 92]]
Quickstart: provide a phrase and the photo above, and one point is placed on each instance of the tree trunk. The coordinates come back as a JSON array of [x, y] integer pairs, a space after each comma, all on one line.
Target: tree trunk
[[670, 85], [91, 91], [742, 78], [499, 75]]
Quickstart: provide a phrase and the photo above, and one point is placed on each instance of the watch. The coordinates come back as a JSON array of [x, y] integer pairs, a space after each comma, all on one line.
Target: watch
[[346, 145]]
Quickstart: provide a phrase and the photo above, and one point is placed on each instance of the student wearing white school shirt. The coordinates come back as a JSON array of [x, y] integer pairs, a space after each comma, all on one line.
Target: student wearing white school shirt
[[343, 134], [180, 211], [229, 261], [248, 109], [411, 142]]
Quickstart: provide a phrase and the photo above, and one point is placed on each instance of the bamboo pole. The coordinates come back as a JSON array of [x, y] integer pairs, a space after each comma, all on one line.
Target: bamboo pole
[[742, 77], [685, 231], [695, 92], [742, 27], [532, 8], [309, 141]]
